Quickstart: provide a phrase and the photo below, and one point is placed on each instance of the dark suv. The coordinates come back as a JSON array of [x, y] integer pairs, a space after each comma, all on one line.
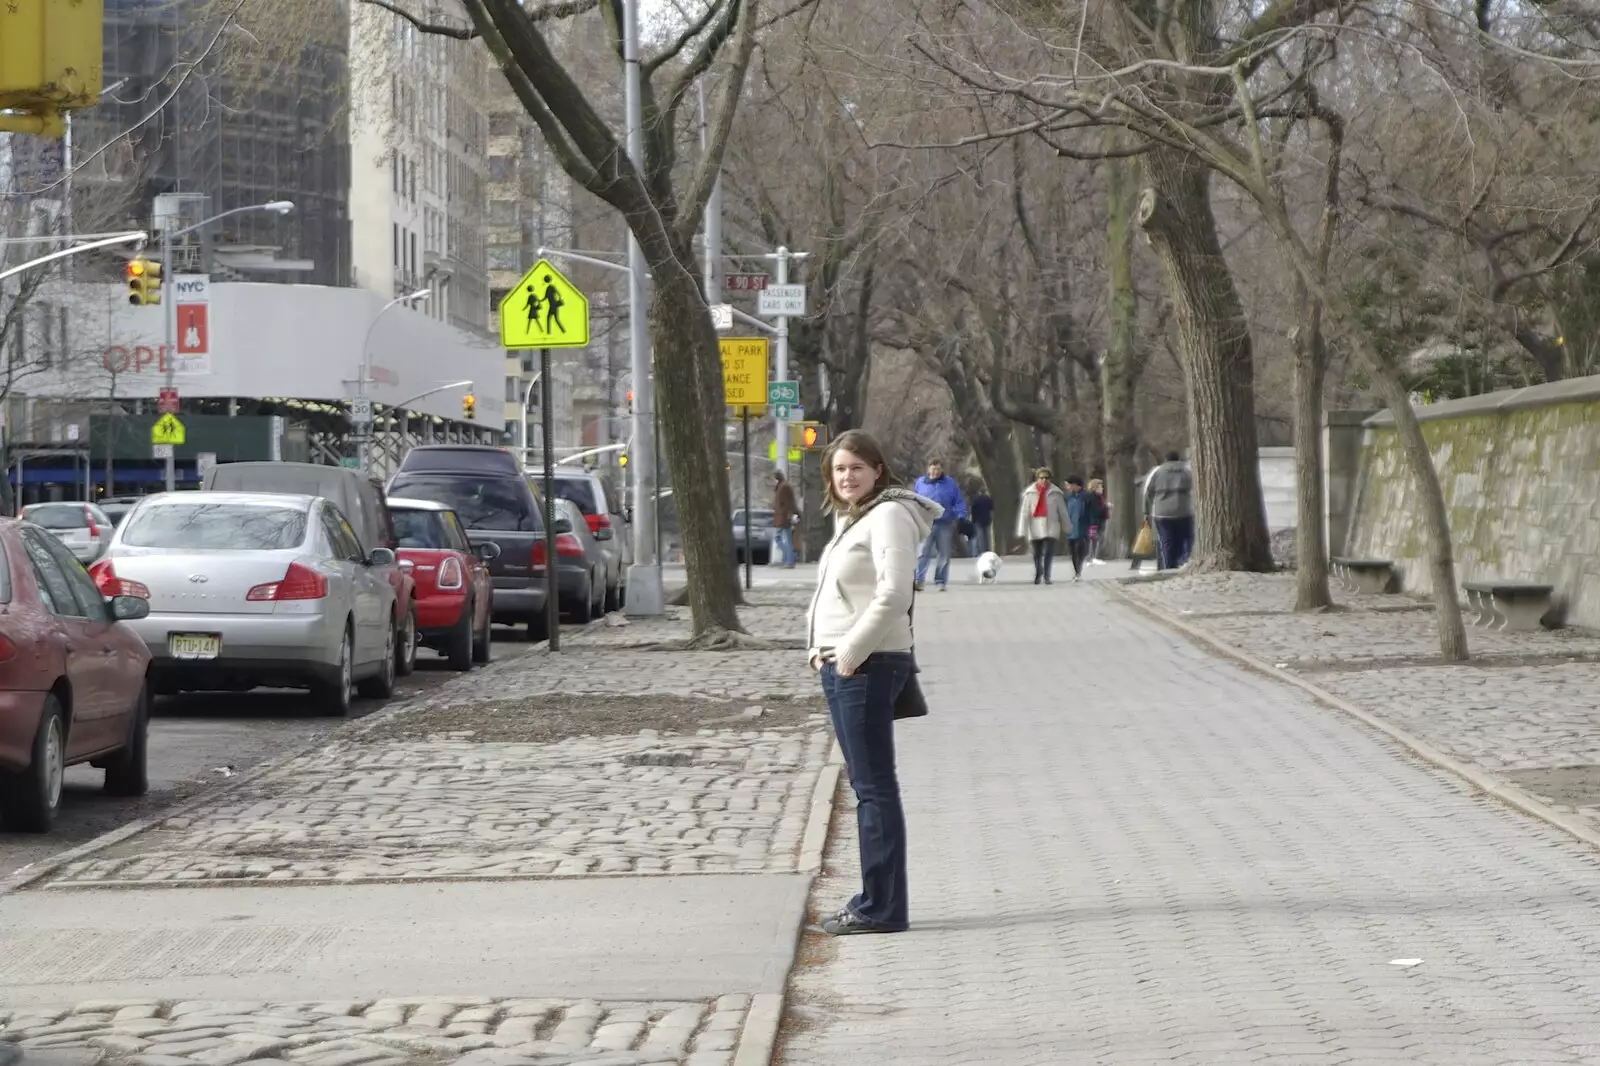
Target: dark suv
[[486, 488]]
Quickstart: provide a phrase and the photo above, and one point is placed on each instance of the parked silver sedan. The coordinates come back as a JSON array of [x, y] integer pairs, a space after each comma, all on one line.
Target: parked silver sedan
[[83, 527], [251, 589]]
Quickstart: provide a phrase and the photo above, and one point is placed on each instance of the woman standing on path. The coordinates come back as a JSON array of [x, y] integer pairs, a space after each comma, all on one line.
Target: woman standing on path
[[1097, 489], [860, 643], [1042, 519]]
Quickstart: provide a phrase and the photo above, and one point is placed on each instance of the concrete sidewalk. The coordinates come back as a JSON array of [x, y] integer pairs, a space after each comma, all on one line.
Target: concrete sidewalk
[[1124, 850]]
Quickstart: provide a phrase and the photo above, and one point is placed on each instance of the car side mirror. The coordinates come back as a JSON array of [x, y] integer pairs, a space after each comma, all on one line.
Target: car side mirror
[[487, 550], [381, 557], [129, 608], [562, 526]]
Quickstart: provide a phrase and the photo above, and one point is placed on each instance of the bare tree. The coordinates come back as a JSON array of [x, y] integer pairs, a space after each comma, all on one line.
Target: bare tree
[[663, 219]]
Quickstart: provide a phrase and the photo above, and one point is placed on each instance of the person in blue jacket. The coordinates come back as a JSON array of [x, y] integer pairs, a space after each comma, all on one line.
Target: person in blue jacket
[[942, 489]]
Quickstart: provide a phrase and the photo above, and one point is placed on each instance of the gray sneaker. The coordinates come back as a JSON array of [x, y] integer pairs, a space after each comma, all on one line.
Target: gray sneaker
[[848, 923]]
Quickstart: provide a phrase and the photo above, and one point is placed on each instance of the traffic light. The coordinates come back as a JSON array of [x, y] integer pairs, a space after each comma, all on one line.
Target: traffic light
[[144, 281], [469, 407], [622, 460], [813, 435]]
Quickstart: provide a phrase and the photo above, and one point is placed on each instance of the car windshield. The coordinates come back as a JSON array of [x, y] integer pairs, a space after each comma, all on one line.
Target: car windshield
[[481, 503], [419, 529], [762, 518], [216, 527], [56, 515], [579, 491]]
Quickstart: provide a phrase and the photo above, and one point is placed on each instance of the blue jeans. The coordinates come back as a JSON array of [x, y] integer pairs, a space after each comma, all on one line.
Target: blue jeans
[[1174, 539], [939, 540], [862, 709], [784, 538]]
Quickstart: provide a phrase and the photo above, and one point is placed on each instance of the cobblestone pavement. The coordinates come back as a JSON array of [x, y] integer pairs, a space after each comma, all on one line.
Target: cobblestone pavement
[[393, 1032], [1127, 851], [466, 805], [713, 802], [1523, 706]]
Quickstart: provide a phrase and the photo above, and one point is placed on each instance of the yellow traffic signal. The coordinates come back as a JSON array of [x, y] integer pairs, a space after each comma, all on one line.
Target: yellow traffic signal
[[144, 281], [469, 407], [622, 460]]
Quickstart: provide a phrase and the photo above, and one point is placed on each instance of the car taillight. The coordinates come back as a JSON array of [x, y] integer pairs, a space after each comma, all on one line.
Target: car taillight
[[597, 522], [88, 517], [567, 545], [8, 650], [299, 583], [109, 584], [449, 574]]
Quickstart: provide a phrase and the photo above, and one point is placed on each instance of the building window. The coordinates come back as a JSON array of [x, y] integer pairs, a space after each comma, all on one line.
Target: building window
[[503, 212], [505, 257], [397, 260], [413, 255]]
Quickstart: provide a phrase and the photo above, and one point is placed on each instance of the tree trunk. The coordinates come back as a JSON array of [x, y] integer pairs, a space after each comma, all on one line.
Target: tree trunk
[[689, 404], [1435, 516], [1310, 369], [1119, 367], [1175, 214], [1002, 473]]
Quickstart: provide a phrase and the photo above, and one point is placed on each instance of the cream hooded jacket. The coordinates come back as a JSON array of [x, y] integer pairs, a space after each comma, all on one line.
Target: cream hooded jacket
[[864, 580]]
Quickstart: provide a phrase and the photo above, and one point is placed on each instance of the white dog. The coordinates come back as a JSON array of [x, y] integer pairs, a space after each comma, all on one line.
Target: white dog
[[987, 568]]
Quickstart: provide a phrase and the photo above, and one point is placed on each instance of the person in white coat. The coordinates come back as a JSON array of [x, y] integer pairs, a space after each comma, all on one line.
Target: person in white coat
[[859, 636], [1042, 520]]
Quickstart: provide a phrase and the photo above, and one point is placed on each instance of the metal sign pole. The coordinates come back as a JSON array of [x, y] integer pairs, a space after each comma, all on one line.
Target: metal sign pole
[[749, 576], [552, 592], [169, 315]]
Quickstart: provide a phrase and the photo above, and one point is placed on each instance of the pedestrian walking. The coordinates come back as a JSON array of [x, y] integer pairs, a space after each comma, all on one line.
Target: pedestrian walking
[[942, 489], [982, 510], [1097, 489], [859, 636], [1168, 505], [1083, 514], [1042, 520], [784, 514]]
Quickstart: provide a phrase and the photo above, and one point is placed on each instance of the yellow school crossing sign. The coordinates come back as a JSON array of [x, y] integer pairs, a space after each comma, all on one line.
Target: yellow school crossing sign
[[167, 430], [544, 310]]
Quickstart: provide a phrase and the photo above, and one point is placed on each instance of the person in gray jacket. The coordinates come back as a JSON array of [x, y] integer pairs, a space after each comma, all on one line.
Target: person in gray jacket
[[1168, 503]]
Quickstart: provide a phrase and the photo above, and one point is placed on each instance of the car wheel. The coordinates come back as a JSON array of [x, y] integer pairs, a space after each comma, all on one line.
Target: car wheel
[[127, 772], [614, 597], [482, 644], [583, 609], [32, 796], [538, 628], [380, 686], [405, 652], [334, 696], [459, 648], [599, 596]]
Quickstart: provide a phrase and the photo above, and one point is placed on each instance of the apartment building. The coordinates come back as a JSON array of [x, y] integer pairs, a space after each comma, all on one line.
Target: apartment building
[[418, 145]]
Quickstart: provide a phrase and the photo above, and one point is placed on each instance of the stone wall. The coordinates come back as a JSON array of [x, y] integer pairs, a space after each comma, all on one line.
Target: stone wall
[[1521, 477]]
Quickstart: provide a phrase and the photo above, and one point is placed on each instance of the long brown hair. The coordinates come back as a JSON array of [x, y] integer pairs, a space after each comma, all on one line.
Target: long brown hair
[[863, 446]]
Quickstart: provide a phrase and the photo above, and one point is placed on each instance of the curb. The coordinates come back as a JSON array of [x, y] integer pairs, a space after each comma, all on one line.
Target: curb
[[759, 1037], [1508, 794], [758, 1041], [45, 867], [821, 818]]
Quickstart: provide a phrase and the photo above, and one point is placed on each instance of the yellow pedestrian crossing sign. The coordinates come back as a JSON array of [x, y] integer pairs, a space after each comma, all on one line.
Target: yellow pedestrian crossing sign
[[167, 430], [544, 310]]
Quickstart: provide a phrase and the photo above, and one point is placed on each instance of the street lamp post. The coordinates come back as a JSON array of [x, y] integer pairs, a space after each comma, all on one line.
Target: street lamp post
[[169, 311], [363, 406]]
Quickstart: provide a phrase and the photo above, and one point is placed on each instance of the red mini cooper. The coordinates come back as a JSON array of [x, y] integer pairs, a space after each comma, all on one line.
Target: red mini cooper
[[454, 596]]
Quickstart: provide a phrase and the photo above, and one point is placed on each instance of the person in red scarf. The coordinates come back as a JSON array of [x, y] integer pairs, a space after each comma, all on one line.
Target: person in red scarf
[[1041, 519]]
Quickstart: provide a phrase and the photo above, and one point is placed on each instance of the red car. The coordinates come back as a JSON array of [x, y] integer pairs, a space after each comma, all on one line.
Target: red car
[[454, 595], [72, 679]]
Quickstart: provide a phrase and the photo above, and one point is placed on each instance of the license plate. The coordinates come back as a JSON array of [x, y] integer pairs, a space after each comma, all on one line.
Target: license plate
[[194, 645]]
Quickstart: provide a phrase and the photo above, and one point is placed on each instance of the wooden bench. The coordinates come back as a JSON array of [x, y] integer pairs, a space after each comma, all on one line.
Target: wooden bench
[[1371, 577], [1508, 606]]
